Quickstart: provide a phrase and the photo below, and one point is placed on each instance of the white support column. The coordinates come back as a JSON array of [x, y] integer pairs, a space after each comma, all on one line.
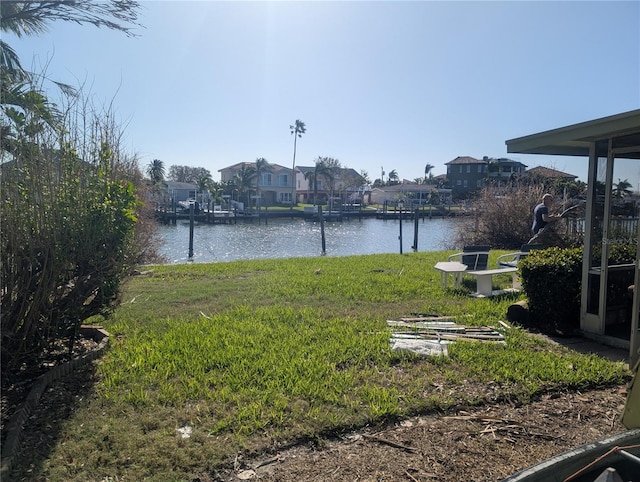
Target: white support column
[[589, 322], [634, 343]]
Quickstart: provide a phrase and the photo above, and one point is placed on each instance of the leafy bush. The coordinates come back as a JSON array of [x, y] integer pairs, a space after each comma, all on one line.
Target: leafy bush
[[620, 253], [68, 217], [502, 218], [551, 279]]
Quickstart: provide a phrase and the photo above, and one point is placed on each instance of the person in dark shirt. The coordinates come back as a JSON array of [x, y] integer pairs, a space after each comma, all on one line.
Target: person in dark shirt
[[541, 216]]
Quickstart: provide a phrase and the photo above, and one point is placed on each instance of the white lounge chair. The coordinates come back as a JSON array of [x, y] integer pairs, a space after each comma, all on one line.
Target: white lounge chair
[[511, 260], [476, 257]]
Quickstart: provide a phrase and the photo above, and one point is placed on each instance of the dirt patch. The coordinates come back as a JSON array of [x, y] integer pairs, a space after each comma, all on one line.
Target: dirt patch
[[485, 444]]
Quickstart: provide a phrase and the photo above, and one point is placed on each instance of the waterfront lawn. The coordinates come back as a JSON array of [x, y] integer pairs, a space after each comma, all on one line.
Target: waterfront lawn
[[255, 355]]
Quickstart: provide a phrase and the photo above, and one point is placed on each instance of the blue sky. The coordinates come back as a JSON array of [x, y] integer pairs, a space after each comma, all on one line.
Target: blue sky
[[379, 84]]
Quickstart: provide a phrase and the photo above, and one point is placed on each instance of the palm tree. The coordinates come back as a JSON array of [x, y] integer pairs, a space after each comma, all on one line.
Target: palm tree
[[33, 18], [155, 171], [297, 130], [622, 189], [20, 98], [365, 176], [262, 166], [427, 172], [312, 177], [227, 188], [204, 185], [393, 177], [321, 169], [215, 190], [330, 172], [244, 179]]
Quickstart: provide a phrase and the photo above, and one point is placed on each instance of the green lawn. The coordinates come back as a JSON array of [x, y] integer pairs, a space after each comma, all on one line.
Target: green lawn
[[253, 355]]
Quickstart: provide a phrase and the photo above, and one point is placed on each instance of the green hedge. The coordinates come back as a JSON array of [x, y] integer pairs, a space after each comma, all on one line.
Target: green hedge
[[551, 279]]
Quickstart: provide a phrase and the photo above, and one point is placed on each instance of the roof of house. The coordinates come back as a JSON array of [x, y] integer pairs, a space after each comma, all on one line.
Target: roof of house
[[504, 161], [465, 160], [349, 172], [240, 165], [180, 185], [344, 171], [548, 172], [278, 167], [236, 166]]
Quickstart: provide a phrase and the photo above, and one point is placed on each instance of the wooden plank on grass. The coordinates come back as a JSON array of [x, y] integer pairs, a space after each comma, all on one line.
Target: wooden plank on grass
[[427, 318], [462, 336], [431, 335], [441, 326]]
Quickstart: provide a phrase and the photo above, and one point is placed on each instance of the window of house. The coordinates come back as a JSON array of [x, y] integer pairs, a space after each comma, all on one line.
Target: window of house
[[283, 180], [460, 169], [479, 183], [266, 179], [468, 168], [458, 182], [479, 167], [284, 197], [465, 183]]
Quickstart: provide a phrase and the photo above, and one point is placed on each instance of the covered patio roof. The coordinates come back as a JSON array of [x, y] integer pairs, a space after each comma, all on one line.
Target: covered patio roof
[[576, 139], [608, 138]]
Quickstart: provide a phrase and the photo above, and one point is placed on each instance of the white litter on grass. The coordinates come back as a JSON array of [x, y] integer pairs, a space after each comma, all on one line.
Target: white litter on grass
[[185, 431], [419, 345], [247, 475]]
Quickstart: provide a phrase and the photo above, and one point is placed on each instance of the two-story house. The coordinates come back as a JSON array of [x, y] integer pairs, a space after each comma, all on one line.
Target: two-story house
[[347, 185], [275, 184], [502, 171], [466, 174], [305, 190]]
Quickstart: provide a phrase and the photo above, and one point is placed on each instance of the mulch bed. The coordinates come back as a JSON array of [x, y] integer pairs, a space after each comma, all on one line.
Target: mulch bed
[[484, 444]]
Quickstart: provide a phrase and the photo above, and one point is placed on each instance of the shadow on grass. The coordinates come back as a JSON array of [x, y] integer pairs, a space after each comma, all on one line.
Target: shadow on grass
[[42, 429]]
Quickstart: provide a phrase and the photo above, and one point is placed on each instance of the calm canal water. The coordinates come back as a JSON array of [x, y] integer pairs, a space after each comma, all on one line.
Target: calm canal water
[[288, 238]]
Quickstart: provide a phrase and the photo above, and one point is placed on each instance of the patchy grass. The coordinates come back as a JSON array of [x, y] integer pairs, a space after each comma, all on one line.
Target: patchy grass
[[255, 355]]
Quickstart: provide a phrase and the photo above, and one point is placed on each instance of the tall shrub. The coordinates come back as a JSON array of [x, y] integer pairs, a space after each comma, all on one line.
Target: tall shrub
[[67, 229]]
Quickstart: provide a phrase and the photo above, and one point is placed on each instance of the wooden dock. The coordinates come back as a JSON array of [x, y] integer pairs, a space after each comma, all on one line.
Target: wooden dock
[[203, 217], [422, 213]]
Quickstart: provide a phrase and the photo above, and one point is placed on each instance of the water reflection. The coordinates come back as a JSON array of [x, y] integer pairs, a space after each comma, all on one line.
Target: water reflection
[[287, 238]]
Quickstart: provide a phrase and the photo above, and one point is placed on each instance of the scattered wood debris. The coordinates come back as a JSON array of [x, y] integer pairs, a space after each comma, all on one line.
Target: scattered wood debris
[[428, 335], [444, 330], [390, 443]]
